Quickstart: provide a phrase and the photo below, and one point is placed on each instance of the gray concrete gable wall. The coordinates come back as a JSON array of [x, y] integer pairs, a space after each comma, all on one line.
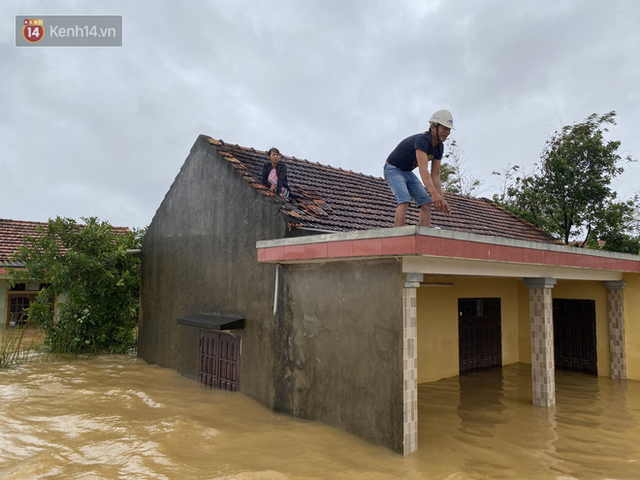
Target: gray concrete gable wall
[[198, 256], [340, 333], [332, 353]]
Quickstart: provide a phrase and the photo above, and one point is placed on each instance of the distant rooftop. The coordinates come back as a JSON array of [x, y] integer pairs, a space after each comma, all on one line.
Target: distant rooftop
[[329, 199], [13, 232]]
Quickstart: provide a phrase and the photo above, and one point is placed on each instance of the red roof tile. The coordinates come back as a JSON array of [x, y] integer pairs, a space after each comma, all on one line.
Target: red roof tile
[[331, 199], [13, 232]]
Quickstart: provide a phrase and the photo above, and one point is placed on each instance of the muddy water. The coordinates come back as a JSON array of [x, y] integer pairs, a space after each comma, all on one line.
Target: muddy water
[[118, 417]]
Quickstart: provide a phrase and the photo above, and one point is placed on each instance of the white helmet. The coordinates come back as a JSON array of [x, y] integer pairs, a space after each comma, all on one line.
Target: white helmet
[[443, 117]]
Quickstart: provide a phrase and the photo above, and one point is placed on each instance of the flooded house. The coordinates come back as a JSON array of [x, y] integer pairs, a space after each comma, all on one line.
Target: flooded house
[[15, 299], [317, 307]]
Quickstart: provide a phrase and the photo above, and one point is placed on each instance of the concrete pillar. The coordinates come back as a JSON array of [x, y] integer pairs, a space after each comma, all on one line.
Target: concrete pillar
[[615, 291], [542, 351], [410, 362]]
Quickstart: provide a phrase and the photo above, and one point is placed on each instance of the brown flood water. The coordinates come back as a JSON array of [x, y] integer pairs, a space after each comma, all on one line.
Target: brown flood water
[[116, 417]]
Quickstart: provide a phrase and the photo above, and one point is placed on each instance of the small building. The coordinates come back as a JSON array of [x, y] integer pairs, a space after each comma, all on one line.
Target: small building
[[15, 299], [317, 307]]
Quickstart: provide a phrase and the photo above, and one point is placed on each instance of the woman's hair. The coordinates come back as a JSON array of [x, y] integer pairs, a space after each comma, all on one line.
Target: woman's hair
[[273, 149]]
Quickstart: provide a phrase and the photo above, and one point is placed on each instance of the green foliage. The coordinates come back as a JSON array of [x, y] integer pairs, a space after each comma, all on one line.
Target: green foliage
[[10, 346], [93, 279], [448, 178], [19, 345], [455, 175], [569, 194]]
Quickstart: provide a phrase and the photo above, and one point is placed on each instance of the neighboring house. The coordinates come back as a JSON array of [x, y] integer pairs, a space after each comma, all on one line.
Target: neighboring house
[[15, 299], [317, 307]]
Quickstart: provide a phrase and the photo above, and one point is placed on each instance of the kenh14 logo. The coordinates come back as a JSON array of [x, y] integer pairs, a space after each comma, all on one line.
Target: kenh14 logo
[[33, 30]]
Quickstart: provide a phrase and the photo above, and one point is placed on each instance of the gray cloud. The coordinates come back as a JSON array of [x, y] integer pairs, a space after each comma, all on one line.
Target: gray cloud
[[104, 131]]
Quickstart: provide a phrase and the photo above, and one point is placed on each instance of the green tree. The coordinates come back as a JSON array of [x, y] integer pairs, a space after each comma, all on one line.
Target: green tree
[[454, 173], [569, 192], [96, 282], [616, 239]]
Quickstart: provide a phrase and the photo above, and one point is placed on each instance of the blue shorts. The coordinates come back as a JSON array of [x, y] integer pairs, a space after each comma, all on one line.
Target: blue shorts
[[405, 186]]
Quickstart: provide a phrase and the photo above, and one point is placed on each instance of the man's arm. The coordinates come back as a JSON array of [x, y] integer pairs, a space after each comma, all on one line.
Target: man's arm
[[435, 177], [432, 181]]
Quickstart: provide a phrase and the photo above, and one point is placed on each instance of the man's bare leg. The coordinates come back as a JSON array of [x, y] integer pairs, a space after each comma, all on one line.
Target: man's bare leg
[[425, 215], [401, 214]]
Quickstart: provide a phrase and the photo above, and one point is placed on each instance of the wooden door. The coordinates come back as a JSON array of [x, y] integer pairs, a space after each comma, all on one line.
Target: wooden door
[[574, 331], [219, 365], [479, 333]]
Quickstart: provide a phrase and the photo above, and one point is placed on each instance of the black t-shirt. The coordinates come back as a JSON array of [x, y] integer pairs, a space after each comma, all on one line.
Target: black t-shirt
[[404, 155]]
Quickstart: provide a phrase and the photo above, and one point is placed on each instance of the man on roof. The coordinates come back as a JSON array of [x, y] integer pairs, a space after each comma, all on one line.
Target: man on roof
[[417, 151]]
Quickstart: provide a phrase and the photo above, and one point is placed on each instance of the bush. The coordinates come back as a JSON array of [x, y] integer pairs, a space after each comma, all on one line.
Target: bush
[[90, 301]]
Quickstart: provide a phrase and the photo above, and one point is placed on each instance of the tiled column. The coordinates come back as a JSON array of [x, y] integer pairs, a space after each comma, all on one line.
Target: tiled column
[[615, 292], [410, 362], [542, 353]]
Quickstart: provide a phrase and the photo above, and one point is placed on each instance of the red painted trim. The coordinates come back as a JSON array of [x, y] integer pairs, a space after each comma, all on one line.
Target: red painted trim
[[399, 245], [340, 249], [273, 254], [367, 248], [305, 251], [441, 247]]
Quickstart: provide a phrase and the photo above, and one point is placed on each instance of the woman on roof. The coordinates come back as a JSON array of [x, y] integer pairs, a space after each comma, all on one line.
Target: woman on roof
[[274, 174]]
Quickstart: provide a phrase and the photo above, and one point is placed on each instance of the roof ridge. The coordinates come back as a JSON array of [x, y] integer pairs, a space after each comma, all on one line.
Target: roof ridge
[[222, 143], [22, 221]]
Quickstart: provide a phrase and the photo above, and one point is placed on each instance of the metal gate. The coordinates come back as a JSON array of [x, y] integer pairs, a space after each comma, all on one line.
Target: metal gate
[[479, 333], [219, 360]]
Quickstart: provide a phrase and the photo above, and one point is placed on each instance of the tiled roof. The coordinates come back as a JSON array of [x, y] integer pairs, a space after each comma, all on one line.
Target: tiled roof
[[331, 199], [12, 233]]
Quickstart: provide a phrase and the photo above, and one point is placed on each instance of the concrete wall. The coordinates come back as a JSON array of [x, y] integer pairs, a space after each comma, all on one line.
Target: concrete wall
[[199, 255], [340, 337], [632, 324], [333, 351], [438, 345]]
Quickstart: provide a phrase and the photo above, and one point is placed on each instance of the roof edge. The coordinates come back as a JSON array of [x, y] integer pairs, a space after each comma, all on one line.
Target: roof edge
[[417, 230]]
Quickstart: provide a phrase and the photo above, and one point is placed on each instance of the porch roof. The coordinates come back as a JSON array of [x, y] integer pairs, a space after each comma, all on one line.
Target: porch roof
[[431, 250]]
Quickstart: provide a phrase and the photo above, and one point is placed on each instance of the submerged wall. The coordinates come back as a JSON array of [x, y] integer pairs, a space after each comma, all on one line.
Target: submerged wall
[[438, 343], [199, 256], [340, 341], [332, 353]]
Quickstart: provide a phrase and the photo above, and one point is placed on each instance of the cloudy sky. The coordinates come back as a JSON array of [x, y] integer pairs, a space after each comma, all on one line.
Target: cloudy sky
[[104, 131]]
